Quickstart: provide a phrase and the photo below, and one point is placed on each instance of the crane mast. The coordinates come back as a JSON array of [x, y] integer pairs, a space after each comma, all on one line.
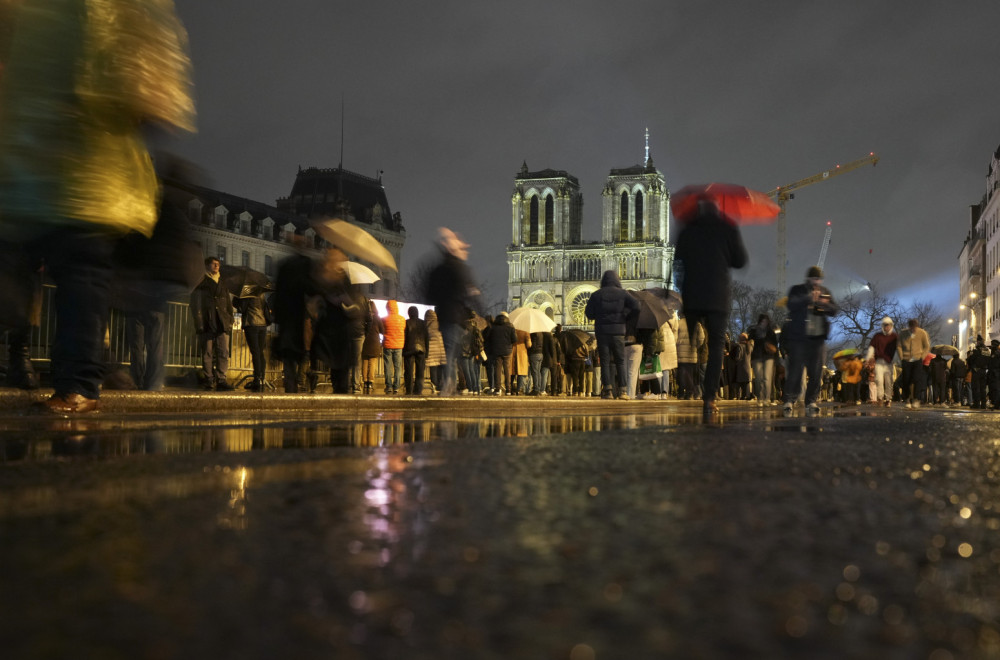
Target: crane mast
[[782, 194], [826, 245]]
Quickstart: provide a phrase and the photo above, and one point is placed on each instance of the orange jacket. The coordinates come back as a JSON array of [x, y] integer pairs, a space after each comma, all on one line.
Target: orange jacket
[[395, 326]]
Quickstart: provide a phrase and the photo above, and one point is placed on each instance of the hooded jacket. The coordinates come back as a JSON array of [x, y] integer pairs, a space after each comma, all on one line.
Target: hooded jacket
[[395, 327], [610, 306]]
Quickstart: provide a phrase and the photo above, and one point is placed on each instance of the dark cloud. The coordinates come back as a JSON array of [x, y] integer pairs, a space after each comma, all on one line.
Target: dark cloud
[[448, 98]]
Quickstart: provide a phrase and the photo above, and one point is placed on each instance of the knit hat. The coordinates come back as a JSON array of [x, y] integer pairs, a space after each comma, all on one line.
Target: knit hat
[[815, 271]]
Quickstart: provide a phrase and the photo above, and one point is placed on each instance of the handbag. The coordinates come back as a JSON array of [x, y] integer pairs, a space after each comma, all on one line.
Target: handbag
[[650, 368]]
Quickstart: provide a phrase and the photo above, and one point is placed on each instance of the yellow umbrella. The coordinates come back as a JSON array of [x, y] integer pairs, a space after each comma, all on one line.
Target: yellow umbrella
[[355, 240]]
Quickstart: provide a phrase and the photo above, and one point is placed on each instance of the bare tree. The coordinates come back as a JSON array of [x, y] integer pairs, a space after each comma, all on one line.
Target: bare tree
[[749, 303], [861, 313], [930, 318]]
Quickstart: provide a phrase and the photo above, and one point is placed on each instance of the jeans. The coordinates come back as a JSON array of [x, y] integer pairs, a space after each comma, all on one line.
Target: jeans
[[633, 360], [470, 367], [611, 349], [413, 375], [144, 334], [214, 356], [913, 374], [451, 334], [883, 381], [763, 373], [535, 367], [357, 366], [810, 354], [393, 358]]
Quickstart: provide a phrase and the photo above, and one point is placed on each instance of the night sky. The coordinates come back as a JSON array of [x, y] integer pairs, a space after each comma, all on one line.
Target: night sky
[[449, 98]]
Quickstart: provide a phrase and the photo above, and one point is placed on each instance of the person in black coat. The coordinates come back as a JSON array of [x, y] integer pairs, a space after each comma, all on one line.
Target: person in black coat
[[956, 375], [610, 307], [212, 312], [810, 306], [295, 313], [500, 342], [415, 342], [707, 247]]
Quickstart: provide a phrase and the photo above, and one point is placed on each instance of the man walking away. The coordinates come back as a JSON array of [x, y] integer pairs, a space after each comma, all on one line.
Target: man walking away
[[707, 248]]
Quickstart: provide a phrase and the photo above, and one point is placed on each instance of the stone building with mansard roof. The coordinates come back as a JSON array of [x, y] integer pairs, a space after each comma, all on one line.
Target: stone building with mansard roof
[[244, 232], [551, 268]]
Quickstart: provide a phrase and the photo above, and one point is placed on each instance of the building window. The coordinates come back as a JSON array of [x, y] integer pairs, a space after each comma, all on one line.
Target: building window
[[220, 252], [533, 226], [245, 259], [550, 212], [639, 227], [268, 265], [623, 218]]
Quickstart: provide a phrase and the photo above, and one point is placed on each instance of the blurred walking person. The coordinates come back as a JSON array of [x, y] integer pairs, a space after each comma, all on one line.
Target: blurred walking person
[[454, 295], [881, 351], [707, 248], [78, 84], [810, 306]]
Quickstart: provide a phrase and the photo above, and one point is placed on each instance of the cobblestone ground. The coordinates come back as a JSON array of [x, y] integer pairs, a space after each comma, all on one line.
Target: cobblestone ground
[[859, 534]]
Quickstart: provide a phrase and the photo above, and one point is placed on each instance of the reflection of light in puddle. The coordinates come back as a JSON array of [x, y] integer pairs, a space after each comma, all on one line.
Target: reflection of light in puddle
[[795, 429]]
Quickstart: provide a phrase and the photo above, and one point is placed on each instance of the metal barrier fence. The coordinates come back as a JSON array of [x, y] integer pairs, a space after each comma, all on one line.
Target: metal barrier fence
[[180, 344]]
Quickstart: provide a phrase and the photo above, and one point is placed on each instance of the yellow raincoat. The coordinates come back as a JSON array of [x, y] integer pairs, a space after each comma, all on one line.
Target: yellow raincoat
[[78, 79]]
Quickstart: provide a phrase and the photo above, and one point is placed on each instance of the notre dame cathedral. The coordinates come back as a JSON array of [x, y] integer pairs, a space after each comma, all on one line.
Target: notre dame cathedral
[[551, 268]]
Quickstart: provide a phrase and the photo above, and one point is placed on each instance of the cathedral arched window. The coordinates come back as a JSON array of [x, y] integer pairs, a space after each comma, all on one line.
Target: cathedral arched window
[[533, 221], [639, 227], [550, 211], [623, 218]]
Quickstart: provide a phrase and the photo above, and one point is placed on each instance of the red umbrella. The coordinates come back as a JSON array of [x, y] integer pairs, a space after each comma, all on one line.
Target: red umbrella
[[739, 204]]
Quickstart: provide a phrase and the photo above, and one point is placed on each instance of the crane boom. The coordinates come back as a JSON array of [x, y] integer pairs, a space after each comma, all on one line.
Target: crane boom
[[782, 194], [826, 245]]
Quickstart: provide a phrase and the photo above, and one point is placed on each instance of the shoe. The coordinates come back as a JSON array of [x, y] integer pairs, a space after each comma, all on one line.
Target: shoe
[[607, 395], [70, 404], [709, 408], [916, 404], [787, 410], [888, 403], [812, 410], [223, 386], [208, 387], [908, 405], [624, 397]]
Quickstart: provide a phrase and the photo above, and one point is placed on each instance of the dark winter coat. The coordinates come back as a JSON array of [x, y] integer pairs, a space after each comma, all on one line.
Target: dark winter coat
[[211, 308], [372, 347], [293, 311], [707, 248], [800, 305], [957, 368], [451, 290], [415, 338], [610, 306], [761, 338], [501, 338]]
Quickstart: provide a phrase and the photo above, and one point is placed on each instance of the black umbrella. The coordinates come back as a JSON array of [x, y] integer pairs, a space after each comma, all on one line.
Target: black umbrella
[[574, 339], [653, 310], [244, 282]]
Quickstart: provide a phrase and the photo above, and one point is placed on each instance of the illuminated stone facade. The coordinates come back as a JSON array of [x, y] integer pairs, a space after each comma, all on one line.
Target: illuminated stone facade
[[551, 268]]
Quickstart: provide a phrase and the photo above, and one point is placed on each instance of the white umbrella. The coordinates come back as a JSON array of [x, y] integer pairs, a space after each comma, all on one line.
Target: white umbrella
[[359, 273], [356, 241], [530, 319]]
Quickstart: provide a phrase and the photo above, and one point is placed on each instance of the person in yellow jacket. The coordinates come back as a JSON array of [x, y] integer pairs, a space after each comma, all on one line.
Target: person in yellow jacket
[[79, 81], [913, 347]]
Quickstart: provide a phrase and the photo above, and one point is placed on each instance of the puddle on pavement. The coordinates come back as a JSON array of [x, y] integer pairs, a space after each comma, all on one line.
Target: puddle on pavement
[[42, 438]]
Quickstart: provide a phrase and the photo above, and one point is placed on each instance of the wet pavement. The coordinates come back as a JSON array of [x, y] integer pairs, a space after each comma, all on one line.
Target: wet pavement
[[189, 526]]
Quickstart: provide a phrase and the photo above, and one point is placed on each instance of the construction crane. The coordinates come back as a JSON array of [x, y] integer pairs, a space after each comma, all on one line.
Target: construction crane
[[782, 194], [826, 245]]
